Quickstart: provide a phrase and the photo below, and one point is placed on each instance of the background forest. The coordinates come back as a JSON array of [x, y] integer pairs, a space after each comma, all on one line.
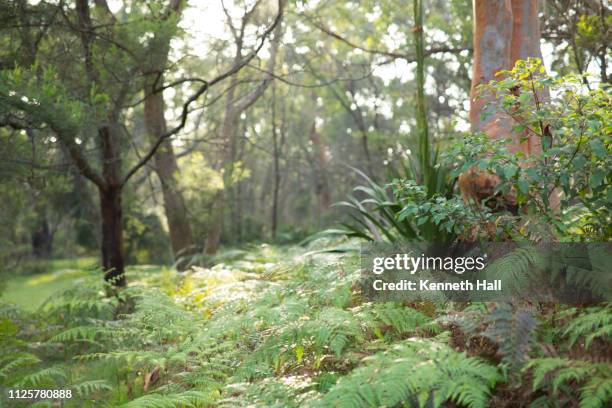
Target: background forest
[[185, 185]]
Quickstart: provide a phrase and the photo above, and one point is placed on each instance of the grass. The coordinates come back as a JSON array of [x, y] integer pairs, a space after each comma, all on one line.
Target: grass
[[30, 291]]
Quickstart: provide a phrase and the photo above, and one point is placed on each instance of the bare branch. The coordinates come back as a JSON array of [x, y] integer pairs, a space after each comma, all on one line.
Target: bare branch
[[392, 54], [203, 88], [246, 101]]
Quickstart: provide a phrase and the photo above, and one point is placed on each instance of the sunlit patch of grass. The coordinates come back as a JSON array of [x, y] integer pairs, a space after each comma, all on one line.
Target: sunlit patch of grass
[[30, 292], [54, 276]]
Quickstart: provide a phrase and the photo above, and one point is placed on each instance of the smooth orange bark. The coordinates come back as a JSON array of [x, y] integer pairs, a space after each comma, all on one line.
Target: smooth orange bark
[[504, 32]]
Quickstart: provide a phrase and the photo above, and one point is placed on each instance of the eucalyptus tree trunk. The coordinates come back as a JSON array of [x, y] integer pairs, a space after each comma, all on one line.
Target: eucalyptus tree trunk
[[166, 166], [278, 142], [228, 133], [504, 31]]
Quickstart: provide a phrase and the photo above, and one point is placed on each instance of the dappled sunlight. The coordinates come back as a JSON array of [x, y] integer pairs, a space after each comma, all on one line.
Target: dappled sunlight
[[73, 274], [305, 204]]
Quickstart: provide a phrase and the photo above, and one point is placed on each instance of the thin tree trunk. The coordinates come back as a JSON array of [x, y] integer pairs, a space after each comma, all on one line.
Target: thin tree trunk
[[421, 112], [276, 158], [320, 174], [211, 245], [228, 132]]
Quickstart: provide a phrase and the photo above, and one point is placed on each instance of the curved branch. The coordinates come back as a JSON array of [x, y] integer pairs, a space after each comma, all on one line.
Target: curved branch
[[203, 88], [392, 54]]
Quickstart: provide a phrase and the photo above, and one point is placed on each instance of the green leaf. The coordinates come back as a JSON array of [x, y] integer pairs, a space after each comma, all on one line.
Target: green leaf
[[598, 148], [596, 178], [299, 353], [579, 162], [509, 170], [421, 220], [523, 185]]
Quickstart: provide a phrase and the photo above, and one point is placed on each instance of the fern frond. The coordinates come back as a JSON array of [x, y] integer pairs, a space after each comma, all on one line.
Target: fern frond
[[591, 324], [88, 388], [79, 333], [597, 393], [401, 319], [44, 378], [184, 399], [512, 330], [557, 372], [18, 360], [415, 372]]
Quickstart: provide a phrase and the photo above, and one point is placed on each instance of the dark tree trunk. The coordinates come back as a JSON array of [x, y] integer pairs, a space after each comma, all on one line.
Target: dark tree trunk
[[110, 206], [42, 239], [112, 236]]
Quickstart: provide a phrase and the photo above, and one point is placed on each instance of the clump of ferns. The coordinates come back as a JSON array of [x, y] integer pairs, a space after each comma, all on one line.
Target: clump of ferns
[[415, 372], [308, 340], [558, 381], [393, 320], [80, 303], [503, 332], [589, 328], [290, 391], [149, 344]]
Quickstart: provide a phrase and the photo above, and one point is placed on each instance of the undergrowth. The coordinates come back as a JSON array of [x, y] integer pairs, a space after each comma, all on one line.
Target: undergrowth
[[289, 327]]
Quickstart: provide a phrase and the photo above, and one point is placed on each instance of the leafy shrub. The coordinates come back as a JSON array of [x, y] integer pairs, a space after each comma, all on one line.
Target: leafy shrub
[[574, 127]]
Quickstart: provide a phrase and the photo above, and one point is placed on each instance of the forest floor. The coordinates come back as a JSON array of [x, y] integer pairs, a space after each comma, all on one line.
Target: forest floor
[[273, 327]]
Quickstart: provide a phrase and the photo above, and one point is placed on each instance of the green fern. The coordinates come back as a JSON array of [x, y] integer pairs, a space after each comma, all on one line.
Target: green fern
[[87, 388], [592, 323], [403, 319], [44, 378], [415, 373], [597, 392], [558, 374], [187, 399], [79, 333], [14, 361], [513, 331]]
